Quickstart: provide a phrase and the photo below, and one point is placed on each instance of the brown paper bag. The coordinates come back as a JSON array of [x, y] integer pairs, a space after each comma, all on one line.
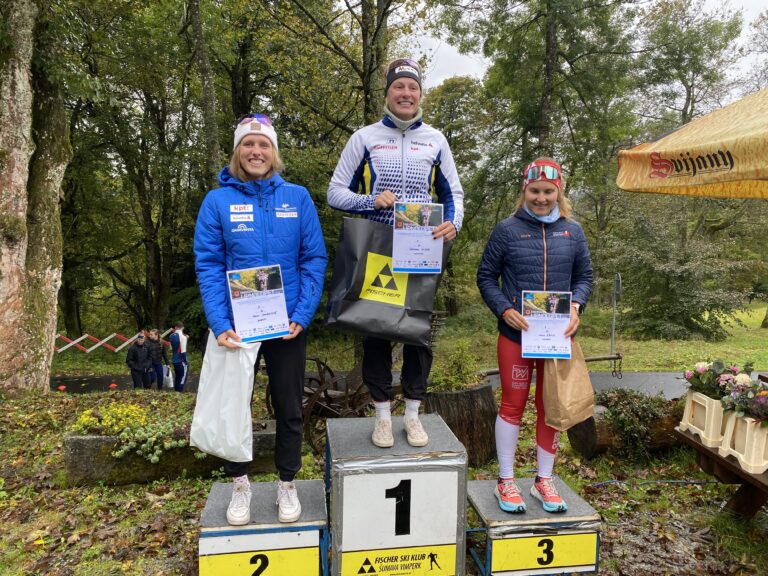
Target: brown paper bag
[[568, 395]]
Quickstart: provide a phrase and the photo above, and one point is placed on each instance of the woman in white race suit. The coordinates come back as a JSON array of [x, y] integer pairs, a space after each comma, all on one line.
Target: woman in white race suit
[[399, 158]]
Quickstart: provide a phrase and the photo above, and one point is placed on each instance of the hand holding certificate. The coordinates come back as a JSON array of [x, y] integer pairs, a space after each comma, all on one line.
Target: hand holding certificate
[[258, 303], [414, 250], [548, 315]]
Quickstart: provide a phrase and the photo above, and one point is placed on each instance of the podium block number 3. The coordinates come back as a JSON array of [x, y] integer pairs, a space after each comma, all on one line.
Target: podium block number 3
[[395, 509]]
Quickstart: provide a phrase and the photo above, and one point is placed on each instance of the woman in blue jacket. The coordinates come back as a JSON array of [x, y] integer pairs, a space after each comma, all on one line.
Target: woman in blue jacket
[[539, 247], [255, 218]]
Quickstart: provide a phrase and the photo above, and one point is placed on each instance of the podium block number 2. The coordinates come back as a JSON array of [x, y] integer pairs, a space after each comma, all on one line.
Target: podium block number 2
[[391, 510]]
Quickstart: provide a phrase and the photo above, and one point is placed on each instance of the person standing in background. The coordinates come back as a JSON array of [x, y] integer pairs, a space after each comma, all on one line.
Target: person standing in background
[[158, 357], [178, 342], [139, 362]]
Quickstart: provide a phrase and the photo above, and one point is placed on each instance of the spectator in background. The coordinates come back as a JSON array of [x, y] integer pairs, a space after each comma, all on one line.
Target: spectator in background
[[178, 342], [158, 357], [139, 362]]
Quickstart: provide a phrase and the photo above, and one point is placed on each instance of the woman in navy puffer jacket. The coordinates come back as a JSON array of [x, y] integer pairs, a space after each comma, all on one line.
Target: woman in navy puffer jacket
[[539, 247]]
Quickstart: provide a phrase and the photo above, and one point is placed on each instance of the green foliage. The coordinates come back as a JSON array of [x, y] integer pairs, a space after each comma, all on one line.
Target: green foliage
[[456, 370], [633, 415], [151, 440], [111, 420]]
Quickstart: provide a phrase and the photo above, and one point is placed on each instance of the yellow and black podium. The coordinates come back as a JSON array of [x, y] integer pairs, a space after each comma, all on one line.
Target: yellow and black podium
[[398, 510], [265, 547], [535, 542]]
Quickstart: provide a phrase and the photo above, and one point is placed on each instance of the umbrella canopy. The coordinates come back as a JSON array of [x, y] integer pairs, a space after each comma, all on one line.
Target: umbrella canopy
[[722, 154]]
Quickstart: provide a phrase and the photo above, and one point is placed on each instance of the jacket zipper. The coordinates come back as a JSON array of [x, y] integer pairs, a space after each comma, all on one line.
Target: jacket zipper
[[544, 237], [262, 231], [402, 166]]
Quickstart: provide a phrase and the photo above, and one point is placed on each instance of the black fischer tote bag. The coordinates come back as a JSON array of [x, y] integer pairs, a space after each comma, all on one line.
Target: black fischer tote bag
[[366, 298]]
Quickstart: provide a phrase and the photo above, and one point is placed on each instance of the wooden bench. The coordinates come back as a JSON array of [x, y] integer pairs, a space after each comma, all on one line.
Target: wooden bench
[[753, 492]]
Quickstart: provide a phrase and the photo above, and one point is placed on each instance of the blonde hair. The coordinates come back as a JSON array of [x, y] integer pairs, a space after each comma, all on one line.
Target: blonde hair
[[236, 170], [563, 203]]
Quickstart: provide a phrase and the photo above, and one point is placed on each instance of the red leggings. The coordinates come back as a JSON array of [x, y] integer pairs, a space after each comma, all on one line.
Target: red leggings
[[516, 373]]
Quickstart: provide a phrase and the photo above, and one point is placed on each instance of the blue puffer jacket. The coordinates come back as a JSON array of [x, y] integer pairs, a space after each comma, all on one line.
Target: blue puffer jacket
[[259, 223], [530, 255]]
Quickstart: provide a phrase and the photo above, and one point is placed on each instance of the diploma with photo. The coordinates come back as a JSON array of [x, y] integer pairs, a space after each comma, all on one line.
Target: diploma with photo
[[548, 315], [413, 248], [258, 303]]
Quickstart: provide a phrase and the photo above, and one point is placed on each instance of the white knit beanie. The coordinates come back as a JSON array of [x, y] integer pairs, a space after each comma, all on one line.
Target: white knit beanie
[[255, 124]]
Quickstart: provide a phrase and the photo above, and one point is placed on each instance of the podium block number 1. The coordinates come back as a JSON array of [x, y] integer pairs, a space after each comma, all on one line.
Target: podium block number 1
[[391, 510]]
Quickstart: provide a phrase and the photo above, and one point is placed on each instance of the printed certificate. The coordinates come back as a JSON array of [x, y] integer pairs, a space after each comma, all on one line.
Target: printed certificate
[[548, 315], [413, 248], [258, 303]]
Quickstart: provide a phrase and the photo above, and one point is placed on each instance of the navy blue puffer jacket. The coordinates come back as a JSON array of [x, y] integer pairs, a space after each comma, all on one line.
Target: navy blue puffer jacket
[[259, 223], [530, 255]]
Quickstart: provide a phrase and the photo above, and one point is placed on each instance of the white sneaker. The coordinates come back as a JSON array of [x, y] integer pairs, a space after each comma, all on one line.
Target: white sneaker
[[415, 433], [239, 510], [288, 505], [382, 434]]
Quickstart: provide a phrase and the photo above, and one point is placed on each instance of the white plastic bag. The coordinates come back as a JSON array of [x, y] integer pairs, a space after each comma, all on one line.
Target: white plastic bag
[[221, 425], [167, 378]]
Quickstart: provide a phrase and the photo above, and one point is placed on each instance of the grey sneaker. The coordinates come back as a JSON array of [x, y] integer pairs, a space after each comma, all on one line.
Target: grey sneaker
[[288, 505], [239, 509], [415, 432], [382, 434]]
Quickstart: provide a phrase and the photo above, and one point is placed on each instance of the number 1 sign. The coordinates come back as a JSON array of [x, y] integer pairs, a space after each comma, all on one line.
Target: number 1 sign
[[400, 510]]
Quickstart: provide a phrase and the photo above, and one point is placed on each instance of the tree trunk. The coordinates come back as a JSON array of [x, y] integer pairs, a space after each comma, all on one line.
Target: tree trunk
[[16, 149], [596, 435], [69, 303], [50, 127], [544, 146], [764, 323], [208, 100], [31, 270], [471, 416]]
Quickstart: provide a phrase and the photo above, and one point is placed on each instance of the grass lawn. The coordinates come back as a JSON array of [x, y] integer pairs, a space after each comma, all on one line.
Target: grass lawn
[[660, 515]]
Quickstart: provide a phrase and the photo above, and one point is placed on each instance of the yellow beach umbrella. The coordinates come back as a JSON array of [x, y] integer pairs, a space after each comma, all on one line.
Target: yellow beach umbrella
[[722, 154]]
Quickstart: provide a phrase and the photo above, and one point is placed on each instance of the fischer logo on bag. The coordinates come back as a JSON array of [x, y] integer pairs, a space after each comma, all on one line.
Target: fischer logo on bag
[[381, 284]]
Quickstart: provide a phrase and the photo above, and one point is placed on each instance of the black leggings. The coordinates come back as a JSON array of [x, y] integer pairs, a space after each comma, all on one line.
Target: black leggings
[[377, 369], [285, 360]]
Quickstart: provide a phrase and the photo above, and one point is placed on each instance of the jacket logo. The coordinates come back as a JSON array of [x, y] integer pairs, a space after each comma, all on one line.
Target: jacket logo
[[286, 211], [241, 207], [381, 284], [241, 217], [525, 235], [563, 233], [242, 228]]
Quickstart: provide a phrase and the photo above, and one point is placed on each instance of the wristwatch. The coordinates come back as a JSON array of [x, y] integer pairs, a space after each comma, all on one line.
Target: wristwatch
[[577, 306]]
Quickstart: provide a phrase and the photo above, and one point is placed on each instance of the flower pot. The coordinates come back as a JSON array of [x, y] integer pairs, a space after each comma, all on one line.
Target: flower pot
[[747, 441], [703, 416]]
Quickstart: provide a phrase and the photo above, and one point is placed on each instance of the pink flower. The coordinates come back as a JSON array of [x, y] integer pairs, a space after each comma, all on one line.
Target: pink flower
[[688, 374], [734, 369]]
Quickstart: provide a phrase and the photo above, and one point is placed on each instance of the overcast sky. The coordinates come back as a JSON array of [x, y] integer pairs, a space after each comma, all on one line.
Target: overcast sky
[[446, 61]]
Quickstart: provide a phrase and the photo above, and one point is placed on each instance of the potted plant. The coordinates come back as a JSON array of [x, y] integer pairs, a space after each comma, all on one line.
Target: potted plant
[[462, 395], [709, 383], [746, 432]]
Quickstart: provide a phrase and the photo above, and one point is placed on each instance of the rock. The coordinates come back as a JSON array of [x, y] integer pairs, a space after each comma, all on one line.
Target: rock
[[89, 460]]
